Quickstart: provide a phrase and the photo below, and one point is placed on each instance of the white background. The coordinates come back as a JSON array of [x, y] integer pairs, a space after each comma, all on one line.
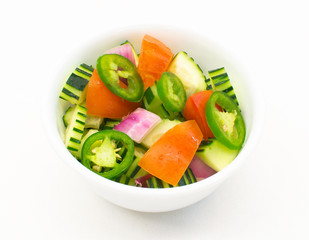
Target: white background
[[42, 198]]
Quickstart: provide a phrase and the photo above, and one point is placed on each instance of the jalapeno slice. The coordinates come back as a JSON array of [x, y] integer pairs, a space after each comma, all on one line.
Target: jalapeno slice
[[171, 92], [228, 126], [108, 153], [112, 69]]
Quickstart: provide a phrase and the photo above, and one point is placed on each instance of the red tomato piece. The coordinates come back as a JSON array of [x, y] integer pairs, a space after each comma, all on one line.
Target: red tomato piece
[[195, 110], [154, 59], [169, 157], [103, 103]]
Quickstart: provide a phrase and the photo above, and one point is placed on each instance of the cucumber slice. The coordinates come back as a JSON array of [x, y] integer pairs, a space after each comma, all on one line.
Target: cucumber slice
[[91, 121], [154, 182], [158, 131], [67, 116], [186, 179], [125, 180], [75, 129], [220, 81], [215, 154], [189, 73], [135, 171], [208, 84], [75, 88], [84, 138], [110, 123], [153, 103]]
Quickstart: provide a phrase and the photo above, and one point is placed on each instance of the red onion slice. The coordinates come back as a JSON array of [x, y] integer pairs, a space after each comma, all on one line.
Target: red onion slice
[[138, 124], [124, 50], [200, 169]]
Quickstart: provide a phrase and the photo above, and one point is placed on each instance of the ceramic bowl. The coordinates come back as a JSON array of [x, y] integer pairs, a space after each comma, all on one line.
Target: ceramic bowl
[[209, 56]]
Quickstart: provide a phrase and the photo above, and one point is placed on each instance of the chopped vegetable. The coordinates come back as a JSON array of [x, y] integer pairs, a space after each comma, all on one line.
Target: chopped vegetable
[[187, 178], [138, 124], [104, 155], [153, 103], [188, 72], [75, 88], [126, 50], [215, 154], [135, 171], [220, 81], [227, 126], [125, 180], [158, 131], [84, 138], [200, 169], [136, 57], [75, 129], [171, 92], [103, 103], [142, 181], [154, 59], [93, 122], [110, 124], [195, 110], [169, 157], [112, 67], [141, 120], [67, 116]]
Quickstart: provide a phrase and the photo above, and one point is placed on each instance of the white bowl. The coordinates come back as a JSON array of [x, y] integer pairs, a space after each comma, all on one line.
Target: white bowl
[[209, 56]]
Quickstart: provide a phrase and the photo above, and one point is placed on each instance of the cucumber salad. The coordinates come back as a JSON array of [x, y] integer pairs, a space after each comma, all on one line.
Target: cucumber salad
[[151, 119]]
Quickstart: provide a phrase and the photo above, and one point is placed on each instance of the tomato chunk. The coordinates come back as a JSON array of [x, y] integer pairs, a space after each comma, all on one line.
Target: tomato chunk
[[169, 157], [195, 110], [154, 59], [103, 103]]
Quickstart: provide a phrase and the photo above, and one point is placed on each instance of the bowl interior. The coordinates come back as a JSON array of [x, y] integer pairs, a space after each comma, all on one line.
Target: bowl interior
[[209, 56]]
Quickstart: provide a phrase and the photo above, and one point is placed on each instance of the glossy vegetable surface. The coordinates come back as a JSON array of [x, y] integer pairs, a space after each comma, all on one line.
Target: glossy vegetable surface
[[171, 92], [195, 110], [126, 50], [154, 59], [228, 125], [138, 124], [98, 150], [146, 116], [112, 67], [200, 169], [103, 103], [169, 157]]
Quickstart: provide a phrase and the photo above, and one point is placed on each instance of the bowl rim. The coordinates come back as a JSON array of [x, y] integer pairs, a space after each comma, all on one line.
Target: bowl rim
[[50, 123]]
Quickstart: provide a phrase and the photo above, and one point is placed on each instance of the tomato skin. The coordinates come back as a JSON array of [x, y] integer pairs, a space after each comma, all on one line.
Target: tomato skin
[[154, 59], [195, 110], [169, 157], [103, 103], [149, 78]]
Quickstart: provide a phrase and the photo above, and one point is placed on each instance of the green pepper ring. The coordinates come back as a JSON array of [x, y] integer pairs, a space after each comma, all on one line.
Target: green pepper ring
[[223, 100], [113, 135], [108, 66], [171, 92]]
